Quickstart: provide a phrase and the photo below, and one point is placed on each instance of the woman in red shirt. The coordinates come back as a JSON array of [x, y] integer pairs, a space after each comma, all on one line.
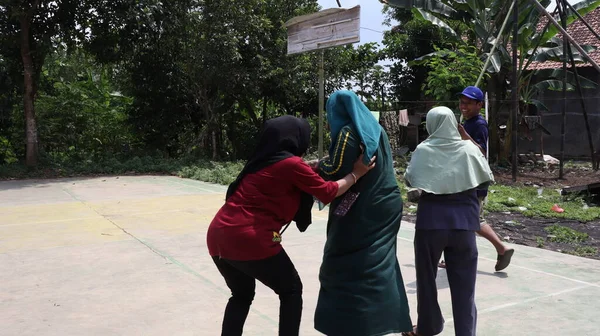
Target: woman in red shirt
[[243, 239]]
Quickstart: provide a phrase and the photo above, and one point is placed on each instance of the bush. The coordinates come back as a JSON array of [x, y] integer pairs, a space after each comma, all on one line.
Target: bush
[[7, 154]]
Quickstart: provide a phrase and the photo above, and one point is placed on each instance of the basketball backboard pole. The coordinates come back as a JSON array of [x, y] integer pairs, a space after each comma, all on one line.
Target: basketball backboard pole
[[321, 101]]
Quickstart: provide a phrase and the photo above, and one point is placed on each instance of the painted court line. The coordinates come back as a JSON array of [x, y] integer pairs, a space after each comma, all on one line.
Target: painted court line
[[53, 221], [100, 216], [531, 269], [508, 305], [168, 257], [549, 274], [197, 187]]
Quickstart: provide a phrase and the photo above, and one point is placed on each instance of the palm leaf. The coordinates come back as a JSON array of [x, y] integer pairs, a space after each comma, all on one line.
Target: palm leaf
[[424, 15], [427, 5], [421, 60], [556, 53], [539, 105], [559, 74], [552, 85]]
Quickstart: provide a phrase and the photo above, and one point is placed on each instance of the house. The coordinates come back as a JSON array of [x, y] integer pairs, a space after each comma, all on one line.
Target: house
[[576, 138]]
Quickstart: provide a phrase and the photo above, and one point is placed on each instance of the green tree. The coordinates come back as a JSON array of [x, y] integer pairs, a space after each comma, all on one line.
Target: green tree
[[28, 29], [450, 71], [485, 17], [81, 112], [405, 42]]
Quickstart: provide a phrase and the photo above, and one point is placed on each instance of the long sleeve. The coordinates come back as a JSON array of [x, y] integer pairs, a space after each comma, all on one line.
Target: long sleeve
[[341, 162], [305, 179]]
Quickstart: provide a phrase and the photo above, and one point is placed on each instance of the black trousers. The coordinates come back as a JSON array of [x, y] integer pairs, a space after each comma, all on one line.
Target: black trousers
[[279, 274], [460, 253]]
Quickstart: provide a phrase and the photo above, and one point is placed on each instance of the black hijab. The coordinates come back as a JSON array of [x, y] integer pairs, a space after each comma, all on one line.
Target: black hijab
[[281, 138]]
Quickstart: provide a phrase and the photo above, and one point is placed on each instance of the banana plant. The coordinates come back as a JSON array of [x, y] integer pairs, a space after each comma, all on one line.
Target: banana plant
[[534, 44], [486, 17]]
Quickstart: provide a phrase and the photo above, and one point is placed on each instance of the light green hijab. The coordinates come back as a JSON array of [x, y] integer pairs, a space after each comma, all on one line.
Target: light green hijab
[[444, 163]]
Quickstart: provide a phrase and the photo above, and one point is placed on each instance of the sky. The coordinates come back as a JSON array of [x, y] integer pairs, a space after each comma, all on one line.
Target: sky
[[371, 17]]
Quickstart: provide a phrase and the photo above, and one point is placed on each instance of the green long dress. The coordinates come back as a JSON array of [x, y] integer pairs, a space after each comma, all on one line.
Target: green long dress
[[362, 292]]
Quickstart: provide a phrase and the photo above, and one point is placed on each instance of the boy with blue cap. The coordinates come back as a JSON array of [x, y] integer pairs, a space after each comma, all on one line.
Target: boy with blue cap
[[475, 128]]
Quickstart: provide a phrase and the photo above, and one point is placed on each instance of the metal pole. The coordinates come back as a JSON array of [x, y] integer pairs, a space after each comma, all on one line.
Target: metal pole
[[563, 20], [487, 61], [582, 102], [487, 144], [382, 100], [515, 88], [322, 98], [564, 32], [321, 102]]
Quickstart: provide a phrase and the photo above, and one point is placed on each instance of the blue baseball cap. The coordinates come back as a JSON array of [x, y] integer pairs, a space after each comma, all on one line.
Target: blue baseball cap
[[473, 92]]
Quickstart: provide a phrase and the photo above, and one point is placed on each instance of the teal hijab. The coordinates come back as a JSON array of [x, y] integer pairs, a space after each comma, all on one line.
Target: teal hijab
[[444, 163], [344, 108]]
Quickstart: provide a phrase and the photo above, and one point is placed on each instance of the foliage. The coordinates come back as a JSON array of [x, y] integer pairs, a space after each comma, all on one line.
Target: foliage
[[563, 234], [7, 155], [80, 111], [450, 71], [485, 17], [525, 200], [584, 251], [409, 40], [116, 79], [214, 172], [28, 32], [203, 170]]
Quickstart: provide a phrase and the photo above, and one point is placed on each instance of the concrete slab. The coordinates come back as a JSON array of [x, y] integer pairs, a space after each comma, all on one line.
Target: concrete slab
[[127, 256]]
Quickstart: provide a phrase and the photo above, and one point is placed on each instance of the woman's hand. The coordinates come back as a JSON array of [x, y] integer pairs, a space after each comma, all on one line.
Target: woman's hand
[[463, 133], [315, 163], [360, 169]]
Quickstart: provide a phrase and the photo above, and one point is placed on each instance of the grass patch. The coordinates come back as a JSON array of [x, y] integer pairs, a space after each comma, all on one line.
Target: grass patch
[[584, 251], [562, 234], [409, 208], [525, 200], [214, 172], [540, 242]]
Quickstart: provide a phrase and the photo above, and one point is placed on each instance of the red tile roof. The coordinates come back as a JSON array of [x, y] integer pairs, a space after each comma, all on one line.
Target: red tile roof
[[581, 34]]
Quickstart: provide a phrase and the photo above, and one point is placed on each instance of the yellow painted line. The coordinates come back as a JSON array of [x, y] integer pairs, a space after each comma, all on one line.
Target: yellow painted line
[[44, 212], [159, 204], [163, 224], [69, 233], [51, 221]]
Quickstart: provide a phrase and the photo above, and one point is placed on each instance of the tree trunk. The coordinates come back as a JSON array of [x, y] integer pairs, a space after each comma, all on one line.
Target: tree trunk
[[264, 112], [507, 146], [31, 157], [215, 153]]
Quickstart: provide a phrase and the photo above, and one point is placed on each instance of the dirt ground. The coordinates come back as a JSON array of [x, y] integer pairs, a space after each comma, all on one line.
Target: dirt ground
[[530, 231], [575, 174]]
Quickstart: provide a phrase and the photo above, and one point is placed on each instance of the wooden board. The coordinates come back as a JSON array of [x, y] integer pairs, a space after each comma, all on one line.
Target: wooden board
[[592, 187], [324, 29]]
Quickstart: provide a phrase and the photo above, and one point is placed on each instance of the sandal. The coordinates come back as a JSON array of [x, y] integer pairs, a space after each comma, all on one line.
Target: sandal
[[411, 333], [504, 260]]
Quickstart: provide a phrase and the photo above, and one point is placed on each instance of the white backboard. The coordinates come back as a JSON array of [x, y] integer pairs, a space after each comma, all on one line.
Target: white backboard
[[327, 28]]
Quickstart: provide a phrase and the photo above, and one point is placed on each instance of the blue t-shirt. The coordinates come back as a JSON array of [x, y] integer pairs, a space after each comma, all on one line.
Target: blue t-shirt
[[477, 128]]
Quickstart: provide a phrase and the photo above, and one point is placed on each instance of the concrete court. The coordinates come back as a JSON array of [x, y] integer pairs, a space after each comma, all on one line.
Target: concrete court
[[127, 256]]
